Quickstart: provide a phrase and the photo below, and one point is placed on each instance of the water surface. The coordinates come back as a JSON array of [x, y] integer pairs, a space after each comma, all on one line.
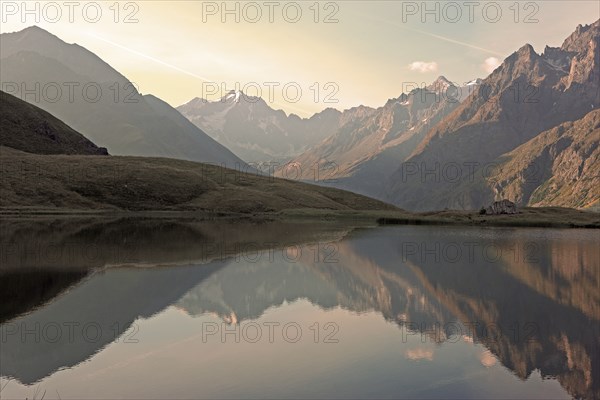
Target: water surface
[[201, 310]]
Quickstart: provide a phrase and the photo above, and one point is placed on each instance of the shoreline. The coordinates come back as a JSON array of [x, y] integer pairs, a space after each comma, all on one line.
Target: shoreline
[[543, 217]]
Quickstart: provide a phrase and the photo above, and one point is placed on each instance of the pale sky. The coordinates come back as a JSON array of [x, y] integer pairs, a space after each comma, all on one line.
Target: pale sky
[[174, 49]]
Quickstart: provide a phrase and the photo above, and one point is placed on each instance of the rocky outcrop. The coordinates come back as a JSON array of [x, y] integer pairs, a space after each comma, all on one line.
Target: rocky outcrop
[[501, 207]]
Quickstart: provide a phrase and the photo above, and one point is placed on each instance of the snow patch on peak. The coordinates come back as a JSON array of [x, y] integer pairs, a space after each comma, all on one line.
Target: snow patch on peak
[[234, 94]]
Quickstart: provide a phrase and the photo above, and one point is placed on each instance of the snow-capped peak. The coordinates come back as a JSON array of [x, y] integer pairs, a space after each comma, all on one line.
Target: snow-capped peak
[[235, 95]]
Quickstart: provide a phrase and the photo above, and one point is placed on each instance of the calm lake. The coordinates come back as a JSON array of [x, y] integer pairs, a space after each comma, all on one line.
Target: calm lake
[[171, 309]]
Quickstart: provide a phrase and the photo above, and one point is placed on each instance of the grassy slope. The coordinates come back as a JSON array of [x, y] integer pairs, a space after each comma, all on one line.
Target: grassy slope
[[543, 217], [139, 183], [29, 128], [46, 184], [67, 183]]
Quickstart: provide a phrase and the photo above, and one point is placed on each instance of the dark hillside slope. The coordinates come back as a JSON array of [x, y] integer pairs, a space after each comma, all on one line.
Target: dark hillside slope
[[28, 128]]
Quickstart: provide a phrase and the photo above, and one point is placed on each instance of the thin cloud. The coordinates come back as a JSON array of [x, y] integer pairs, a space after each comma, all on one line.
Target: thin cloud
[[423, 67], [490, 64], [156, 60], [450, 40], [440, 37]]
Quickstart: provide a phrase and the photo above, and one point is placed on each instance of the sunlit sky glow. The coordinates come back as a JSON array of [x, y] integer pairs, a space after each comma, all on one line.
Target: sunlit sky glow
[[370, 54]]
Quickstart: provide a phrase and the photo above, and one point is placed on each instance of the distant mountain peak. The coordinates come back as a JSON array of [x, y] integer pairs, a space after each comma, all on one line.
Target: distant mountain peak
[[441, 84], [580, 39], [584, 28], [31, 33], [33, 30], [79, 59], [521, 60], [236, 96], [527, 50], [233, 95]]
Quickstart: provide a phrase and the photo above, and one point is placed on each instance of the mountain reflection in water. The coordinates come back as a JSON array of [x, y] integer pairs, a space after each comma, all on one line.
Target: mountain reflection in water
[[458, 304]]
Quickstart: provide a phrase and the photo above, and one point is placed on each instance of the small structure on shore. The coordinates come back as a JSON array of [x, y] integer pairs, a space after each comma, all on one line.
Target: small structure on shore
[[501, 207]]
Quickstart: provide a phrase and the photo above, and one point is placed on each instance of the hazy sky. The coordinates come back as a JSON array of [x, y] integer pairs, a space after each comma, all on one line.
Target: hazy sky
[[366, 53]]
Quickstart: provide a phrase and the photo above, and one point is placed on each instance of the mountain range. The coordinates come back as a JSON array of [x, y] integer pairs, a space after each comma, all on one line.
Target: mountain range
[[361, 153], [253, 130], [446, 145]]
